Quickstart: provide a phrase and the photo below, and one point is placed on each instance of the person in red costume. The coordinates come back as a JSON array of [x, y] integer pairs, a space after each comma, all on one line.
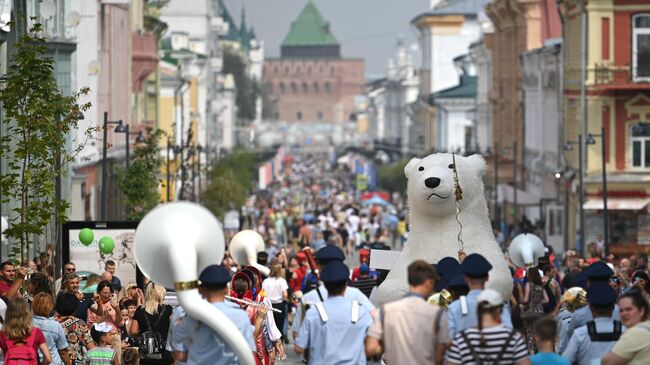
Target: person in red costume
[[364, 258], [295, 283]]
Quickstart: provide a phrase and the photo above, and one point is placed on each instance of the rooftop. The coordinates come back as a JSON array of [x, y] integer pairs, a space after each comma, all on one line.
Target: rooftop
[[310, 29], [455, 7], [466, 89]]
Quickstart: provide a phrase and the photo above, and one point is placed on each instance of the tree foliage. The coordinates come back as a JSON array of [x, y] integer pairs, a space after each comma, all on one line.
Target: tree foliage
[[140, 181], [38, 118], [231, 180], [391, 176], [247, 89]]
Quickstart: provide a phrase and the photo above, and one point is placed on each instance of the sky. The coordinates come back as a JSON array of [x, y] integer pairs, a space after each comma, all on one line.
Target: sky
[[366, 29]]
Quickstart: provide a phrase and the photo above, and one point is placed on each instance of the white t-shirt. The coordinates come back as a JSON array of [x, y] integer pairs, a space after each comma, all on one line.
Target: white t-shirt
[[274, 288]]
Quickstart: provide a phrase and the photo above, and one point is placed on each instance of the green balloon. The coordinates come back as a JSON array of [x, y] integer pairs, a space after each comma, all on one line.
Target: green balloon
[[106, 245], [86, 236]]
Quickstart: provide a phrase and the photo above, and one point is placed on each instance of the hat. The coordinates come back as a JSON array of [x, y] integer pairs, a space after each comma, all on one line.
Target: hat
[[447, 265], [599, 271], [262, 257], [103, 327], [491, 296], [330, 253], [214, 275], [301, 257], [364, 252], [335, 271], [364, 269], [457, 281], [476, 266], [601, 294]]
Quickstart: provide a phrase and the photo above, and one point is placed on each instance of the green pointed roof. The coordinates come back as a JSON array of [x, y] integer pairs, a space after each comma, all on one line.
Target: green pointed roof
[[233, 30], [310, 29]]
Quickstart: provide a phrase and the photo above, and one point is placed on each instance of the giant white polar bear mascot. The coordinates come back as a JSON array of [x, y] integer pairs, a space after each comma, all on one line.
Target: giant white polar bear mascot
[[433, 230]]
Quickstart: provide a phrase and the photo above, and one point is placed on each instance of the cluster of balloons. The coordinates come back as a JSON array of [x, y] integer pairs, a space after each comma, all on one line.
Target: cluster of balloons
[[106, 243]]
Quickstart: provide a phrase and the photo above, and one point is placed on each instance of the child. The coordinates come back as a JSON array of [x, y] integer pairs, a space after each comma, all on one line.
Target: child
[[103, 354], [545, 335], [131, 356]]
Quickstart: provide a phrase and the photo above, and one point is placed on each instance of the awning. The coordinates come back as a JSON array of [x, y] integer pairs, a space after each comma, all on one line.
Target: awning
[[506, 194], [616, 203]]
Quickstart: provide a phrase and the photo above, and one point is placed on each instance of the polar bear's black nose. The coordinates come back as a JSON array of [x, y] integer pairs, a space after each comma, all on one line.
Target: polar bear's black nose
[[432, 182]]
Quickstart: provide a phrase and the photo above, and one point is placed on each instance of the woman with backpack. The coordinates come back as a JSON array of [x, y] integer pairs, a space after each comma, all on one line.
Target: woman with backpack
[[534, 298], [150, 325], [76, 331], [20, 340], [55, 338]]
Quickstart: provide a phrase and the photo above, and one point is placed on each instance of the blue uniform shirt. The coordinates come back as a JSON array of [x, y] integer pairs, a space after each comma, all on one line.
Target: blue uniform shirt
[[582, 351], [206, 347], [583, 315], [337, 341], [54, 336], [312, 297], [459, 322], [173, 344], [563, 319]]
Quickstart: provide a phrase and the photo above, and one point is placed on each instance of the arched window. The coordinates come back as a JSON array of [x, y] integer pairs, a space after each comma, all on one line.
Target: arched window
[[641, 47], [299, 115], [332, 70], [286, 70], [283, 89], [319, 115], [328, 89], [640, 143], [305, 88], [308, 70], [269, 86], [316, 88], [298, 70], [294, 88]]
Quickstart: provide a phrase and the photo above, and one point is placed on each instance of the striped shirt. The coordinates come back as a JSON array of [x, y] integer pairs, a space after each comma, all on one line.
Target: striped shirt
[[495, 339], [365, 285], [100, 356]]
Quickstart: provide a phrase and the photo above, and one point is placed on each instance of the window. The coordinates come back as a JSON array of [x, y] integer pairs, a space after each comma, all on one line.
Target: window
[[286, 70], [283, 89], [320, 115], [299, 115], [315, 87], [305, 88], [327, 87], [294, 88], [270, 87], [641, 47], [308, 70], [641, 146]]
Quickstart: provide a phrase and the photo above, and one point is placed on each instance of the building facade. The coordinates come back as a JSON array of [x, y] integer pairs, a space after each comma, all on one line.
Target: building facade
[[618, 101], [311, 81]]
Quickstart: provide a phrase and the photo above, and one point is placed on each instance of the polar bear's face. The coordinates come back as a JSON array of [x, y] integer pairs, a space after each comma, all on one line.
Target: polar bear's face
[[431, 187]]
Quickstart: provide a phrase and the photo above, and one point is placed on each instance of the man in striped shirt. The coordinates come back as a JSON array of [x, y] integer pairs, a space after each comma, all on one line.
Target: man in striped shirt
[[491, 342]]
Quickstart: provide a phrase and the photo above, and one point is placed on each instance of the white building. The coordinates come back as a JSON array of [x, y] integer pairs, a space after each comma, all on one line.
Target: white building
[[544, 139]]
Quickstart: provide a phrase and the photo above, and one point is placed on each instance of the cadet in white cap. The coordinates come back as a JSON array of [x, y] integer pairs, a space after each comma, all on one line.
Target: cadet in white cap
[[334, 330]]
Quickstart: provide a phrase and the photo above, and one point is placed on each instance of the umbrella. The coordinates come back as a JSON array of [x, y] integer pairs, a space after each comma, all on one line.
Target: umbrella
[[376, 200]]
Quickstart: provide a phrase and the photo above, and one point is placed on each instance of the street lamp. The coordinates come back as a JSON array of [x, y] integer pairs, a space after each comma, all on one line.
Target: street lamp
[[590, 141], [568, 146], [119, 129]]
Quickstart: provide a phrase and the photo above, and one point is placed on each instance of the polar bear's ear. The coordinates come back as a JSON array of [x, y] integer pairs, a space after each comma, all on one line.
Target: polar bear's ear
[[410, 167], [477, 164]]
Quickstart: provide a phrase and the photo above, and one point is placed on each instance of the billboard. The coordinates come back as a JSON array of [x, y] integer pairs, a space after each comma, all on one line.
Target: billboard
[[89, 258]]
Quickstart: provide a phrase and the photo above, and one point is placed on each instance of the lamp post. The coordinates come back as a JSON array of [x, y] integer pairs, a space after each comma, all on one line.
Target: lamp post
[[169, 148], [590, 141], [104, 162], [568, 146], [127, 133]]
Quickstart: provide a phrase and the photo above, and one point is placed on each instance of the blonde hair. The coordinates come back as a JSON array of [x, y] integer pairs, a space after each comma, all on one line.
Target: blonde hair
[[42, 304], [276, 270], [124, 293], [18, 320], [153, 297]]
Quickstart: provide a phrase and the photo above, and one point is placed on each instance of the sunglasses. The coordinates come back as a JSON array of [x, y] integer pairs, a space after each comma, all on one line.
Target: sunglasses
[[70, 269]]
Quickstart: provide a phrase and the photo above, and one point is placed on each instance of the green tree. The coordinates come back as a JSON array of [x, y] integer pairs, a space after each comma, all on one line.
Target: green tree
[[247, 89], [140, 181], [391, 176], [38, 118]]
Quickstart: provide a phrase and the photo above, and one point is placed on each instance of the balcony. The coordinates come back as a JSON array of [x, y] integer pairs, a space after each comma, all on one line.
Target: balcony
[[145, 58], [610, 77]]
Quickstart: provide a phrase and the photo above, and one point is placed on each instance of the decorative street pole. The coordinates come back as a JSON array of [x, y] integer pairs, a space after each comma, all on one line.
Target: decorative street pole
[[590, 140], [104, 161]]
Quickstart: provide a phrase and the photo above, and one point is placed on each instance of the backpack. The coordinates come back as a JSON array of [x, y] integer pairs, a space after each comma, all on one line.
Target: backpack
[[23, 353], [550, 306], [152, 343]]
